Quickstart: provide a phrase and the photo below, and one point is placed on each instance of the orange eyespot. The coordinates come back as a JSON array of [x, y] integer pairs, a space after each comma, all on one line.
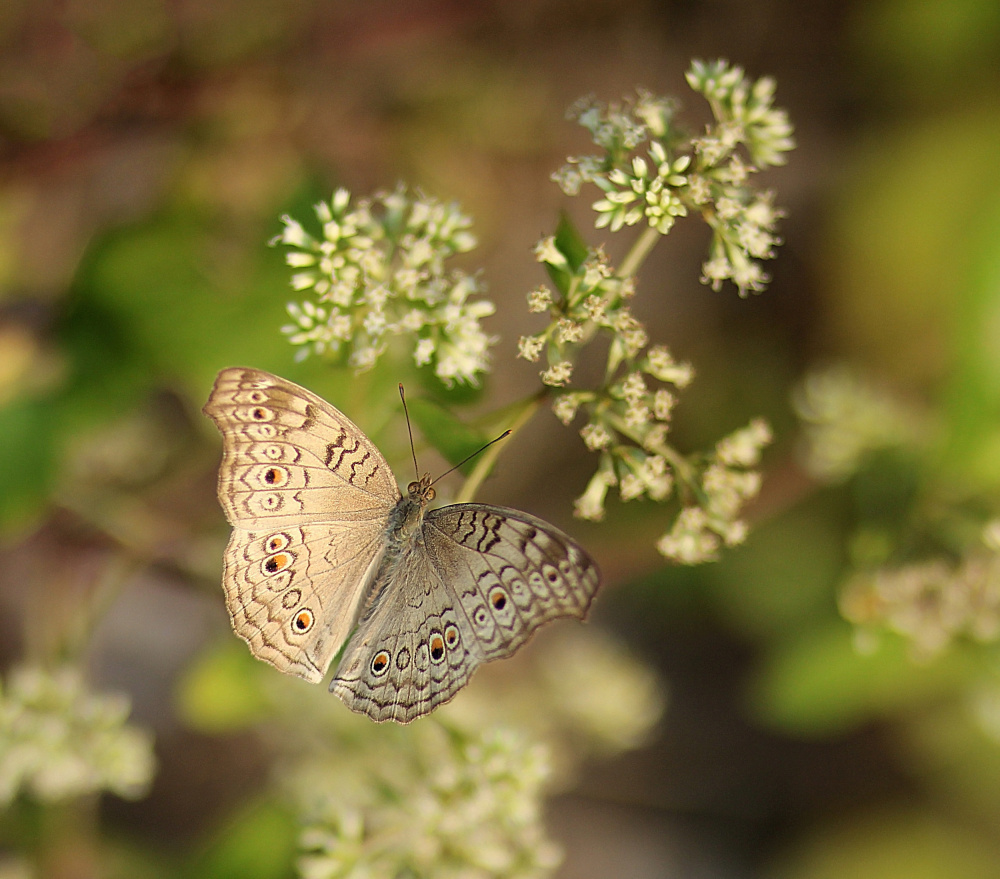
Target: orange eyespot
[[380, 663], [451, 635], [277, 541], [303, 621], [278, 562], [275, 476], [436, 645], [498, 598]]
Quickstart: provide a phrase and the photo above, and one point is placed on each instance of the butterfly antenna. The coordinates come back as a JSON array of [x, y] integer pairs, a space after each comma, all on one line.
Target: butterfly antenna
[[409, 430], [478, 451]]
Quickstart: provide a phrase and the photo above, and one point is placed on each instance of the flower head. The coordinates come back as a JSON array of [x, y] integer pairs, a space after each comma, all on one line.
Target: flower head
[[377, 272]]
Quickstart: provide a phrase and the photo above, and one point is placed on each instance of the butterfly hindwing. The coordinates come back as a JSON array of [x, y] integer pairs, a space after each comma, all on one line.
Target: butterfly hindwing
[[483, 580], [292, 592], [412, 651], [511, 571]]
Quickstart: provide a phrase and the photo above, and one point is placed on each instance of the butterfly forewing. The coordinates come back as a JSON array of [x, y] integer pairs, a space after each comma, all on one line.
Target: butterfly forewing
[[511, 572], [309, 496], [290, 457]]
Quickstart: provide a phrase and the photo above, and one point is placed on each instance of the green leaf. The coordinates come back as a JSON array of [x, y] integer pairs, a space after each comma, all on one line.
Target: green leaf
[[26, 467], [571, 244], [820, 684], [258, 843], [221, 692], [453, 438]]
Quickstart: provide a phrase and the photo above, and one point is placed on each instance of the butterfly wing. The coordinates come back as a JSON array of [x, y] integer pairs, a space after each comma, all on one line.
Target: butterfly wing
[[309, 497], [480, 583], [290, 457]]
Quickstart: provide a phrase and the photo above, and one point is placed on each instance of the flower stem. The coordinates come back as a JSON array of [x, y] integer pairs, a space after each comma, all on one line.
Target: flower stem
[[640, 250], [521, 415]]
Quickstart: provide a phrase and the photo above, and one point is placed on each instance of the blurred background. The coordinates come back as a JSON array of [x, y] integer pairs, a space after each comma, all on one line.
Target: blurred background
[[147, 151]]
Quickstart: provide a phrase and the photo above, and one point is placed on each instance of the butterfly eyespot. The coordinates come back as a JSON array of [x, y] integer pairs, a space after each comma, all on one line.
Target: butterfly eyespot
[[303, 621], [537, 583], [261, 413], [258, 397], [480, 617], [277, 542], [262, 431], [565, 567], [291, 598], [271, 502], [436, 645], [279, 582], [402, 658], [498, 598], [551, 574], [275, 476], [273, 452], [451, 635], [278, 562], [380, 663]]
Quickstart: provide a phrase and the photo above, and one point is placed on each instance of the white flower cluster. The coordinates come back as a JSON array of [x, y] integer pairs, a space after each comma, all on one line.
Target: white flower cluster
[[707, 175], [378, 271], [726, 484], [931, 603], [638, 193], [59, 740], [846, 419], [628, 416], [449, 804]]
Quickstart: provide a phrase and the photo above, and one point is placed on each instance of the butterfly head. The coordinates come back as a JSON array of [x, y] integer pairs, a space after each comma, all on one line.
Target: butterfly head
[[421, 491]]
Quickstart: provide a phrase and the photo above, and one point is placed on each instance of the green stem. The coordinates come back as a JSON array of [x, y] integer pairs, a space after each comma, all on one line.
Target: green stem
[[486, 461], [640, 250]]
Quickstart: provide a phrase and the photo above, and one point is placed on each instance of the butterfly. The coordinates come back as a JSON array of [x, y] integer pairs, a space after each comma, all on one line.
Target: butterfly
[[329, 561]]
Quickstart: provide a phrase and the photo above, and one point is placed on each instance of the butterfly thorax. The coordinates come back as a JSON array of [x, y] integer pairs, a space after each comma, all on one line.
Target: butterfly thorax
[[406, 518]]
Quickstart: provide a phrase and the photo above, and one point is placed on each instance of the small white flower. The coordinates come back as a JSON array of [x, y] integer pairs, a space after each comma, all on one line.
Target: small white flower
[[566, 406], [594, 306], [743, 448], [558, 375], [294, 235], [634, 388], [636, 414], [631, 487], [540, 300], [299, 259], [424, 351], [303, 281], [530, 347], [716, 270], [569, 331], [596, 436], [547, 252], [663, 404], [590, 505]]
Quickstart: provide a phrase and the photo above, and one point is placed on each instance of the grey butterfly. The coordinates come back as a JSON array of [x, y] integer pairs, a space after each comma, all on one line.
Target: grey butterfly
[[327, 559]]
